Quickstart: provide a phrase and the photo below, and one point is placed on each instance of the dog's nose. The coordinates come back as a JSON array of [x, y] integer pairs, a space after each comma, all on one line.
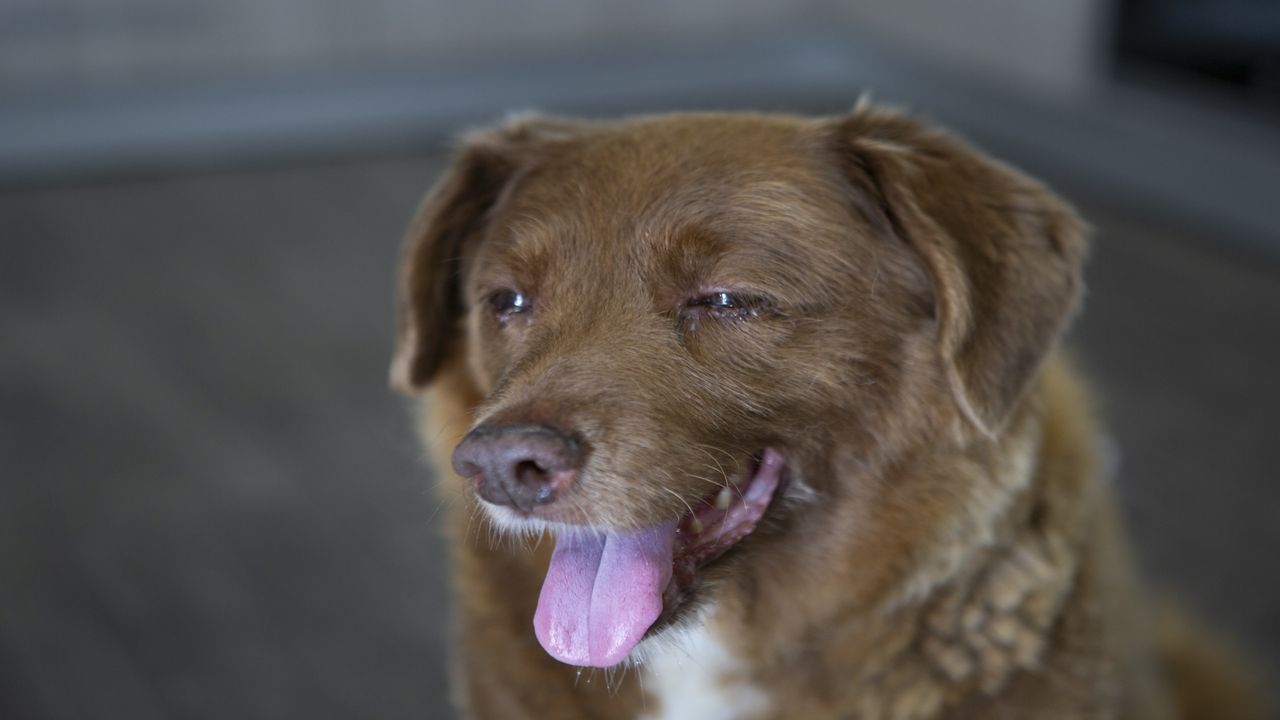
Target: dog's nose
[[520, 466]]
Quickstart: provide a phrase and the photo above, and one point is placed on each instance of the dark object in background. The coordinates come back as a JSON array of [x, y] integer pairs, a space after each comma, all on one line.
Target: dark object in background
[[1233, 45]]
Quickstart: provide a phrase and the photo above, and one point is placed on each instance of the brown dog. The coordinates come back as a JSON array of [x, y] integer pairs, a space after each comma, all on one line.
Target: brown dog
[[779, 394]]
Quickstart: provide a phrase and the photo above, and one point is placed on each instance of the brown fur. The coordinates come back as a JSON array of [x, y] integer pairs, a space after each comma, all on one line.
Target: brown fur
[[946, 547]]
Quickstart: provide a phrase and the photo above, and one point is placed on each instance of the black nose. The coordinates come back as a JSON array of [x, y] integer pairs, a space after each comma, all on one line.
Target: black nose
[[520, 466]]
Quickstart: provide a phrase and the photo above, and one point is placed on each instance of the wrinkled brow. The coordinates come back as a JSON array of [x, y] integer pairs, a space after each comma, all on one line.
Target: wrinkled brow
[[769, 236]]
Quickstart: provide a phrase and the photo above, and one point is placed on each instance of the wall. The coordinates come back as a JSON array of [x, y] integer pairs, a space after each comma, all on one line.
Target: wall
[[1047, 47], [60, 47]]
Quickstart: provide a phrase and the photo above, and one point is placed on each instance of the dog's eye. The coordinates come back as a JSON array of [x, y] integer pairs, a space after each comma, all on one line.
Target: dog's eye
[[719, 301], [727, 305], [505, 303]]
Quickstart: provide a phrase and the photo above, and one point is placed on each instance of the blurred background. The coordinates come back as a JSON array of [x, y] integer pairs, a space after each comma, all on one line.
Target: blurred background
[[210, 505]]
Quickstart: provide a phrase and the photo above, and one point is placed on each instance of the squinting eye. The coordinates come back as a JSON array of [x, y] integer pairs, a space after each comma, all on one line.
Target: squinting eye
[[506, 303], [720, 301], [727, 305]]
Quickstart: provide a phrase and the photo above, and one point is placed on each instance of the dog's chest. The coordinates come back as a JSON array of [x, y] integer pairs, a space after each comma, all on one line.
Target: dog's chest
[[695, 676]]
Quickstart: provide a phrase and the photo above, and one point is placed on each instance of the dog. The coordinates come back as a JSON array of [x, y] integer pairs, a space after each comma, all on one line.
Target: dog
[[760, 416]]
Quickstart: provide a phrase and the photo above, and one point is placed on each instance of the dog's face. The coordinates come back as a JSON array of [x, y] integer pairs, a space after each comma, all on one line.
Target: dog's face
[[699, 337]]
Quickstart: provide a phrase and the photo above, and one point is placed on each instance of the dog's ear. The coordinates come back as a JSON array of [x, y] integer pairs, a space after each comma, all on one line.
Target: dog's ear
[[1003, 253], [452, 216]]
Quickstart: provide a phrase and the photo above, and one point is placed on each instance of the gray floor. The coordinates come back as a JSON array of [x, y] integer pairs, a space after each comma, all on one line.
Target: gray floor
[[212, 508]]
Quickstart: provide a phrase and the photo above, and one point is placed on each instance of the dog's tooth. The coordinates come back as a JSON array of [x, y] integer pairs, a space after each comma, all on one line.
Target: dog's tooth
[[723, 498], [695, 526]]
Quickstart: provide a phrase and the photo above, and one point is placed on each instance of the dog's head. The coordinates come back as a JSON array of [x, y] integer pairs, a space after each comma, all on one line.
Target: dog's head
[[699, 338]]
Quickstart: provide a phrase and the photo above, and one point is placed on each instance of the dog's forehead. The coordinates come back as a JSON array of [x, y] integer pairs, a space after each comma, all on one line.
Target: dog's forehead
[[634, 164], [672, 186]]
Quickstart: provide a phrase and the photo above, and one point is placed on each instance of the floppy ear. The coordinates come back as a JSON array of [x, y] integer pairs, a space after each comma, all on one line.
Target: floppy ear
[[430, 301], [1003, 253], [452, 216]]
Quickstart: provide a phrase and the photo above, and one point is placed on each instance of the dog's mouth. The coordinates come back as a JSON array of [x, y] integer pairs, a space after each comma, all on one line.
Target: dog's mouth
[[604, 591]]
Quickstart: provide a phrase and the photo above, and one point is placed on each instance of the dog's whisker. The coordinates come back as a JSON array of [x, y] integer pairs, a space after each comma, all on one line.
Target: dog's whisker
[[448, 498], [644, 694], [610, 681], [725, 484], [725, 481], [709, 454], [471, 520], [445, 426], [682, 500]]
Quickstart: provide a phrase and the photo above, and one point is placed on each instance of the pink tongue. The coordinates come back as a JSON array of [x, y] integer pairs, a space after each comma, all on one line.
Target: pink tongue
[[602, 593]]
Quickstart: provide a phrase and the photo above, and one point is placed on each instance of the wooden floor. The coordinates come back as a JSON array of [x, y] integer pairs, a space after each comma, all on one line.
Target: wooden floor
[[211, 507]]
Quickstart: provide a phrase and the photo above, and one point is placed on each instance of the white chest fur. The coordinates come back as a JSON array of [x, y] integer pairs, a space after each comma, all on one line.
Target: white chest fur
[[693, 675]]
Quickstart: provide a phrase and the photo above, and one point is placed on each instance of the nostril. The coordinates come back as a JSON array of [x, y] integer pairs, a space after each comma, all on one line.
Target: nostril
[[529, 472]]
